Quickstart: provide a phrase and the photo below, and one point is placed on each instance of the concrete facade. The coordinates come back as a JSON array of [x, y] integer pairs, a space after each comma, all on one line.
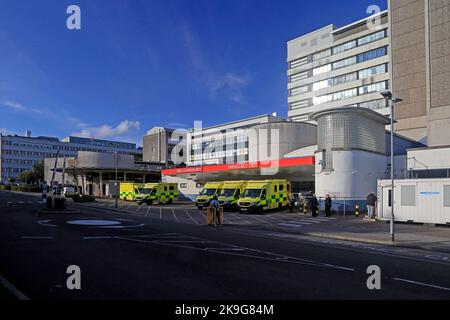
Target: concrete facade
[[165, 145], [338, 67], [20, 153], [420, 44]]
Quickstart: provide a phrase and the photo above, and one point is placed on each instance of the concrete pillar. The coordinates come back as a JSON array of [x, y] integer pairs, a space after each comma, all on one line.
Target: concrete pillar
[[100, 192], [83, 184]]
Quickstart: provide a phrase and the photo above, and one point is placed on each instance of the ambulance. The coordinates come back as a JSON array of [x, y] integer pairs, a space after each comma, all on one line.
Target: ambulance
[[264, 195], [160, 192], [129, 190], [230, 193], [210, 189]]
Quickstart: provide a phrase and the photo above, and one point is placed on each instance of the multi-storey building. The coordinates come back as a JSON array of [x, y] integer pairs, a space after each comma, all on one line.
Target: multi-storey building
[[420, 42], [339, 67], [20, 153], [165, 146]]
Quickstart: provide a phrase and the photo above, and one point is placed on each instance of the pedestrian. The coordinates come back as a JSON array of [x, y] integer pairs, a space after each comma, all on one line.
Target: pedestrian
[[291, 202], [371, 203], [328, 204], [301, 203], [314, 205], [216, 205]]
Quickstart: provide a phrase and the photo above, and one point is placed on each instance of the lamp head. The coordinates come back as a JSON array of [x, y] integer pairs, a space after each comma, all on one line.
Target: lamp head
[[386, 94]]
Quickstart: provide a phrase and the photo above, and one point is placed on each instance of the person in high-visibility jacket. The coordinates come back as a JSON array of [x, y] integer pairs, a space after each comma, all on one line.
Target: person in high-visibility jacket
[[214, 203]]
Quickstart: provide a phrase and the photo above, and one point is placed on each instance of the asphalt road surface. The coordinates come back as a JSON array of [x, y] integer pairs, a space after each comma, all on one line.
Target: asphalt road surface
[[160, 255]]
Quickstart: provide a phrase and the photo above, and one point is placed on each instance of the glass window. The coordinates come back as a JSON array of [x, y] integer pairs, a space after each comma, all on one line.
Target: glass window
[[380, 69], [372, 37], [298, 76], [344, 47], [344, 63], [322, 54], [376, 87], [322, 69], [298, 62], [299, 90], [373, 54]]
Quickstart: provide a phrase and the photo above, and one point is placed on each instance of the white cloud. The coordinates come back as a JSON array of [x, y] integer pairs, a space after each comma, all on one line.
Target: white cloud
[[107, 131], [18, 106], [232, 84]]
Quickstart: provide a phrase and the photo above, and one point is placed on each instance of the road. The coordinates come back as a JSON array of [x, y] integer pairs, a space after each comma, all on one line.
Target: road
[[127, 255]]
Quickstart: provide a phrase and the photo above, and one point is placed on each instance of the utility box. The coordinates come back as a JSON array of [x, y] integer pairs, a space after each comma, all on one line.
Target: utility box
[[415, 200]]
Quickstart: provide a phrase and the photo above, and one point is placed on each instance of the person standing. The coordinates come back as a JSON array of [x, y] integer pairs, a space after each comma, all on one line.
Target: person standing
[[371, 203], [314, 204], [291, 203], [216, 205], [328, 204]]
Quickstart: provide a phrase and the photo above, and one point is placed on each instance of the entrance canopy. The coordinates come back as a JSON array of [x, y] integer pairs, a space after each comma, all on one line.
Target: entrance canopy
[[294, 169]]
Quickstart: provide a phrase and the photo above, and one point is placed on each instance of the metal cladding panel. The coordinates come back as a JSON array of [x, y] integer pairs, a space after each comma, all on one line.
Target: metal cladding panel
[[350, 130]]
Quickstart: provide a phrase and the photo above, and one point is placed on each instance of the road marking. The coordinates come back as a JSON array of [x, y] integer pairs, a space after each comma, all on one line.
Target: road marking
[[175, 216], [148, 211], [298, 222], [160, 213], [422, 284], [105, 237], [35, 237], [8, 285], [46, 223], [137, 208], [195, 221], [21, 202], [290, 225]]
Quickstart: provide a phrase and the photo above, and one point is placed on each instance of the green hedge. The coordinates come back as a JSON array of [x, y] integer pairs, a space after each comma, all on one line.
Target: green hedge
[[5, 187]]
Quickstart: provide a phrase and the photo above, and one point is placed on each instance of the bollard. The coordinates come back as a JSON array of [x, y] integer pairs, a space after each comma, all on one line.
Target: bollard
[[357, 210]]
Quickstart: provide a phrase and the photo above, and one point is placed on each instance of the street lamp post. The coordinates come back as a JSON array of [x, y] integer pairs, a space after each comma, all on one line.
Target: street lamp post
[[389, 100], [116, 184]]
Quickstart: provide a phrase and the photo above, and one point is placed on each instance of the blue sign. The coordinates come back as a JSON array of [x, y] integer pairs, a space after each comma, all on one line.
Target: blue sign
[[430, 193]]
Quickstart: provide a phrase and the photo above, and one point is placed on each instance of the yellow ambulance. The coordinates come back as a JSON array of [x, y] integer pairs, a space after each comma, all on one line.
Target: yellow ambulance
[[160, 192], [210, 189], [129, 190], [264, 195], [230, 193]]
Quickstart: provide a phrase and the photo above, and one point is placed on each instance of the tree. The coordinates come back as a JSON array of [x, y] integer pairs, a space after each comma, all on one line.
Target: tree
[[33, 176]]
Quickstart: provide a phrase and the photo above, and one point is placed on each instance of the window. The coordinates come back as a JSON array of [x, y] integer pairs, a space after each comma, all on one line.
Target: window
[[322, 69], [344, 47], [344, 63], [341, 95], [372, 71], [298, 62], [171, 188], [321, 84], [298, 76], [281, 187], [299, 104], [376, 87], [408, 196], [373, 54], [374, 104], [447, 196], [321, 54], [299, 90], [372, 37]]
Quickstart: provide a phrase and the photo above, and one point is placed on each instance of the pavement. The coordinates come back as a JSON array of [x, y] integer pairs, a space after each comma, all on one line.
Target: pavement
[[167, 252]]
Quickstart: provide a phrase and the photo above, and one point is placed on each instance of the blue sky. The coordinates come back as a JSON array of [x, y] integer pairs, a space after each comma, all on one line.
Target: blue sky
[[136, 64]]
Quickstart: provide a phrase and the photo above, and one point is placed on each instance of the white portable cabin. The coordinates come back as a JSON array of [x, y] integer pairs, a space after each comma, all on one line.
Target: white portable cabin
[[415, 200]]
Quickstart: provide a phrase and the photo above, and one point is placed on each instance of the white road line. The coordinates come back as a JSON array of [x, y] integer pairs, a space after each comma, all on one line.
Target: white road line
[[195, 221], [8, 285], [290, 225], [174, 215], [148, 211], [137, 208], [35, 237], [105, 237], [160, 213], [21, 202], [422, 284]]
